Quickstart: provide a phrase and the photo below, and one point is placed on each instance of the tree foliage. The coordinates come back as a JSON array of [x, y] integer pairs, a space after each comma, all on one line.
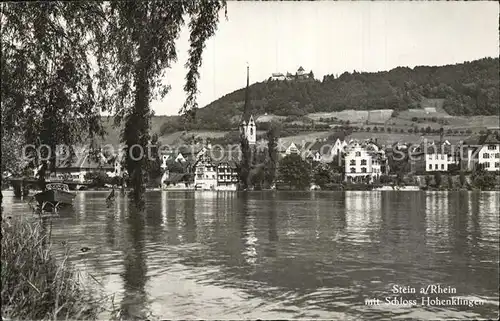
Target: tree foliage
[[65, 62], [48, 86], [322, 175], [484, 180], [141, 42], [271, 162], [245, 164], [295, 172]]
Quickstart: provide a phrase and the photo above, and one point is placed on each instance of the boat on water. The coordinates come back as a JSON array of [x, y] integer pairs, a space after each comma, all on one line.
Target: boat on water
[[54, 194]]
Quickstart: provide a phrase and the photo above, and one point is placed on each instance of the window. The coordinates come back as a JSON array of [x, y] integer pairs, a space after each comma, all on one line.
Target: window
[[363, 162], [491, 147], [363, 169], [251, 131], [353, 170], [442, 157], [442, 166], [353, 162], [430, 166], [497, 155], [486, 155], [358, 153], [436, 166], [497, 164]]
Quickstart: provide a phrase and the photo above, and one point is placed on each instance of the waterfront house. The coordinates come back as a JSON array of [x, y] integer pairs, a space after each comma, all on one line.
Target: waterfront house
[[227, 175], [217, 171], [431, 157], [483, 152], [81, 165], [182, 160], [364, 162], [178, 181]]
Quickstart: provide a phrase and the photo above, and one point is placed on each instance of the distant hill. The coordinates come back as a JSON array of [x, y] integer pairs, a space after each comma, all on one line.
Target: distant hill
[[469, 88]]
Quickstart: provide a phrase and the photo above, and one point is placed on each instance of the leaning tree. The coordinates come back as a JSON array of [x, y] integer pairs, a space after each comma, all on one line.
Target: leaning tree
[[63, 63], [140, 47]]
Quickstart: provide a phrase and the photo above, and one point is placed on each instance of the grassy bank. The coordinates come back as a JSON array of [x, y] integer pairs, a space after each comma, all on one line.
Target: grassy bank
[[34, 284]]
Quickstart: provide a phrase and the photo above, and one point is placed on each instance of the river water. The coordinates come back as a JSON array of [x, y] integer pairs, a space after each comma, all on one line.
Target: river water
[[282, 255]]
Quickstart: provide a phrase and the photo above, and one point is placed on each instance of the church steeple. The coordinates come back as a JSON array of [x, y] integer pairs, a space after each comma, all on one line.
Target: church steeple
[[246, 107], [247, 124]]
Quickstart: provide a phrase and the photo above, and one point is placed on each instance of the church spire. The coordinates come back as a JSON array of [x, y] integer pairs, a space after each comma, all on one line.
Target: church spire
[[246, 108]]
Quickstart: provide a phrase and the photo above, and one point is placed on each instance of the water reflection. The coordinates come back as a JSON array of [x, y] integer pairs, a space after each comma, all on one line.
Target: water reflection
[[134, 302], [273, 237], [278, 255], [164, 201]]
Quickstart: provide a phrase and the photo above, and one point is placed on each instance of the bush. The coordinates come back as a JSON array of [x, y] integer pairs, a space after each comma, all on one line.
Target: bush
[[437, 179], [99, 179], [450, 182], [385, 179], [484, 180], [34, 285], [462, 179]]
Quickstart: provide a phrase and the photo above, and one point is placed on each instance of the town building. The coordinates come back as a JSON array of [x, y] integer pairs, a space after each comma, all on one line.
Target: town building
[[205, 174], [364, 162], [300, 74], [288, 148], [431, 157], [77, 168], [178, 166], [278, 76], [324, 150], [216, 170], [483, 152]]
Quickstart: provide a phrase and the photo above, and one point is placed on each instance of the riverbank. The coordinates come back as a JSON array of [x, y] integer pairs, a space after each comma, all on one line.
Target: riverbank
[[34, 284]]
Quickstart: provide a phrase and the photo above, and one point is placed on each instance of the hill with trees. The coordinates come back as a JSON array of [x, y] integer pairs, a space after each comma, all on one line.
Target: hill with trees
[[469, 88]]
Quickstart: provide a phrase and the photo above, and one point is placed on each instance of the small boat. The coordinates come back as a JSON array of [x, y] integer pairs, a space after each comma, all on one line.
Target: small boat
[[56, 193]]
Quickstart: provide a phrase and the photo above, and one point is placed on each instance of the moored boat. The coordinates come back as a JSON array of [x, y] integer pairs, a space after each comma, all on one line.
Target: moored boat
[[56, 193]]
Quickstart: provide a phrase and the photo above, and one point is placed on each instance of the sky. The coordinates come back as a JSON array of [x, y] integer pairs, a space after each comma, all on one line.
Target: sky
[[331, 38]]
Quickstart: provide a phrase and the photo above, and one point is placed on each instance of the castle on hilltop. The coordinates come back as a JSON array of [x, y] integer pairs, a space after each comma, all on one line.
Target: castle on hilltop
[[299, 75]]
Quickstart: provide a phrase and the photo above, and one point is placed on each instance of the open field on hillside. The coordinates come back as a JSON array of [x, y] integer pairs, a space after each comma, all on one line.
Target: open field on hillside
[[402, 121], [383, 138], [474, 123], [391, 138], [269, 118], [356, 116], [180, 137], [437, 103], [308, 137]]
